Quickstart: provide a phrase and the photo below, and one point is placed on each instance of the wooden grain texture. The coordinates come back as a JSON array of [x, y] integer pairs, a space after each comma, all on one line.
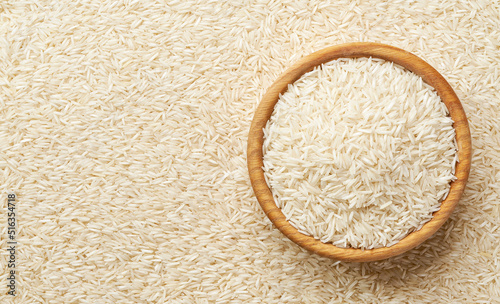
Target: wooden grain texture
[[306, 64]]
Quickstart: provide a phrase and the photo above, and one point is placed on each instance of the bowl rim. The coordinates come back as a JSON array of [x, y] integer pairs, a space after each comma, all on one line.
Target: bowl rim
[[353, 50]]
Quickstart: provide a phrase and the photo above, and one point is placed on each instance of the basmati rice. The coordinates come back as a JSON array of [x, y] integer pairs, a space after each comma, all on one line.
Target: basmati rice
[[124, 133], [359, 153]]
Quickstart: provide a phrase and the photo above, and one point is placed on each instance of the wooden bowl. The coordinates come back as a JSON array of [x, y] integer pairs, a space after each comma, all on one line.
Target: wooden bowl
[[352, 50]]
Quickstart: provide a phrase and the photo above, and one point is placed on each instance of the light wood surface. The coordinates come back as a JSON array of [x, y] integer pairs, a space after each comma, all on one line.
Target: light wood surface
[[376, 50]]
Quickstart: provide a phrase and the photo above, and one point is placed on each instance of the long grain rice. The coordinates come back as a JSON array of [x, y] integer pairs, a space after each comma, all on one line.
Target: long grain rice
[[359, 153]]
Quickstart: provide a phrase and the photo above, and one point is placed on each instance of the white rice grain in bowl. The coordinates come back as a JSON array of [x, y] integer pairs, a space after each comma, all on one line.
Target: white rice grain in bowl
[[359, 159]]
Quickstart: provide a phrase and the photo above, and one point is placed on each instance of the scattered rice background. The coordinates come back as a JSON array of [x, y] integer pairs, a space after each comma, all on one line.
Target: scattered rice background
[[123, 131], [359, 153]]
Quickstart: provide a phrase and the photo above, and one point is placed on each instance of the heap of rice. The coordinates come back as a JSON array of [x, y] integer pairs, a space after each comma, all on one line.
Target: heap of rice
[[359, 153]]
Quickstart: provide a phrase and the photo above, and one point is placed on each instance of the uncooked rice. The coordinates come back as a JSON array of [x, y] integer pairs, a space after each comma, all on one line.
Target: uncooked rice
[[123, 131], [359, 153]]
